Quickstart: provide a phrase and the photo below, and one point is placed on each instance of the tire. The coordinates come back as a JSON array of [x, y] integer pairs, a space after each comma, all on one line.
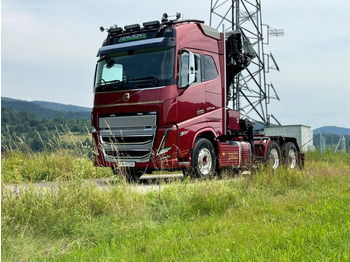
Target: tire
[[203, 159], [187, 172], [273, 156], [133, 175], [291, 155]]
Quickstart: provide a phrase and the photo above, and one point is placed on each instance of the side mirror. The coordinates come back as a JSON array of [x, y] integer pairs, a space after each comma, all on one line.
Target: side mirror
[[186, 69], [191, 71]]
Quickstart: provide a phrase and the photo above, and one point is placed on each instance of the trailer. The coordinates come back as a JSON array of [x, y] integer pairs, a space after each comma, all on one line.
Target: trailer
[[160, 103]]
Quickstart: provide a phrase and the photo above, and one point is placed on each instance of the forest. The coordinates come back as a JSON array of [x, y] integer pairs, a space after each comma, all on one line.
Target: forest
[[36, 134]]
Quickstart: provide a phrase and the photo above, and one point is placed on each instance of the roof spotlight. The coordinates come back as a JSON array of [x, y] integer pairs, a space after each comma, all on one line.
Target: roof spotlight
[[111, 29], [115, 29], [166, 16]]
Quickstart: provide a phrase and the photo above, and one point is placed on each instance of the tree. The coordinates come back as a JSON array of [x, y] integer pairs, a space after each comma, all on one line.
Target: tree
[[36, 144]]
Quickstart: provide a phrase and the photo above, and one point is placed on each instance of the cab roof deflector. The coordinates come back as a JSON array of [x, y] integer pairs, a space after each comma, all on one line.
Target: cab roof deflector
[[210, 31]]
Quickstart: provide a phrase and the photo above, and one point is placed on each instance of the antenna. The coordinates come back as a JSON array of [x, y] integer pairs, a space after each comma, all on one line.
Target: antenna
[[249, 93]]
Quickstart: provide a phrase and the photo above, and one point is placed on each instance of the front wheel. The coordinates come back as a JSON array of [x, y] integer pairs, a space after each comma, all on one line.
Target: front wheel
[[203, 158]]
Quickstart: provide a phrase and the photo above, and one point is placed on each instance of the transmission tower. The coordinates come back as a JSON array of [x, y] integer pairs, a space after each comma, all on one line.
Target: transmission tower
[[249, 92]]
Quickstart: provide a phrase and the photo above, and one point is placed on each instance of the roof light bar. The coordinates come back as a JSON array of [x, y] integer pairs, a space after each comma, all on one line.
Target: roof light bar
[[132, 27], [151, 24]]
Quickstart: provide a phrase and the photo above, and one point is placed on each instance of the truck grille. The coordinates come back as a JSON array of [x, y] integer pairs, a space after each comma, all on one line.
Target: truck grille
[[128, 138]]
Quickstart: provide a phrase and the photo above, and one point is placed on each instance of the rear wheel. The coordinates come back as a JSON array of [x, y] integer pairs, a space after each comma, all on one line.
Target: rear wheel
[[273, 157], [203, 159], [291, 155]]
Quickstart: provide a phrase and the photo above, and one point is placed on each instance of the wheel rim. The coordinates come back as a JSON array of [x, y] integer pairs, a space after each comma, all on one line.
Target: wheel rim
[[274, 158], [292, 158], [204, 161]]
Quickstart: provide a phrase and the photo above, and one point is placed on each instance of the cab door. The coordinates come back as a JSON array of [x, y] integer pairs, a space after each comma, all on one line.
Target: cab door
[[191, 92], [190, 101]]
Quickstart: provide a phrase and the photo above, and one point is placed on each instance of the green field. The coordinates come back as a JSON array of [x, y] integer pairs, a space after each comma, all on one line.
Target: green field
[[299, 215]]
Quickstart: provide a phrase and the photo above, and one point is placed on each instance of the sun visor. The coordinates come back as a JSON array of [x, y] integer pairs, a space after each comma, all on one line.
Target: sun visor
[[139, 44]]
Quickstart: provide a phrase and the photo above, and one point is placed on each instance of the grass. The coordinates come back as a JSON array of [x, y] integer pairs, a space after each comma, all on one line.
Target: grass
[[77, 137], [286, 215], [65, 157], [63, 165]]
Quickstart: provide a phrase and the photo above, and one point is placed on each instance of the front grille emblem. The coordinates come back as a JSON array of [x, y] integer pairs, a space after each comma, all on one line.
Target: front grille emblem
[[126, 97]]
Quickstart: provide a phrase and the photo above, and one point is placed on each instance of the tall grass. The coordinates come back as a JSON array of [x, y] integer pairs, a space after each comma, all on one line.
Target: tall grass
[[62, 159], [17, 166], [285, 215]]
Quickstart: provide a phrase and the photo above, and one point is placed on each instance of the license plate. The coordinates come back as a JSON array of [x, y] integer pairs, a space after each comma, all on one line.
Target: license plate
[[126, 164]]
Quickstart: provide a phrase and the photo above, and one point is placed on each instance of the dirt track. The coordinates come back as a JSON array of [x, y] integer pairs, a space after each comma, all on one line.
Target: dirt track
[[146, 183]]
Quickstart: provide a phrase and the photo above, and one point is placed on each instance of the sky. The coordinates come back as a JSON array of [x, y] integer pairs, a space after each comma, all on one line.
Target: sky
[[49, 47]]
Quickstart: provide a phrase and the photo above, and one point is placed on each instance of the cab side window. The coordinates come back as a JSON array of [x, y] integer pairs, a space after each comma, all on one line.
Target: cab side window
[[210, 71], [204, 69], [184, 68]]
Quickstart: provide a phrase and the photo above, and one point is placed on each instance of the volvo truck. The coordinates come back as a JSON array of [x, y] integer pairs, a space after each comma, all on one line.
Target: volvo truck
[[160, 103]]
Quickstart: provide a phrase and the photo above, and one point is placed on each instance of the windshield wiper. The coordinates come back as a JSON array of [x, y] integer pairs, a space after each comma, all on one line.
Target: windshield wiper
[[144, 79], [110, 82], [108, 85]]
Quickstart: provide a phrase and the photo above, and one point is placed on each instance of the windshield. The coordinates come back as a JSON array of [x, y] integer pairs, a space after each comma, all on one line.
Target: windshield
[[135, 69]]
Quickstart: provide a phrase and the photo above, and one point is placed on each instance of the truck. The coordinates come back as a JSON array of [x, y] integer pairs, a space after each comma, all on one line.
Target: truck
[[161, 103]]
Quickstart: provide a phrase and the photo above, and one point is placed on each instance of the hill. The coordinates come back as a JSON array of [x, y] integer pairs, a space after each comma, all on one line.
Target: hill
[[62, 107], [332, 130], [46, 110]]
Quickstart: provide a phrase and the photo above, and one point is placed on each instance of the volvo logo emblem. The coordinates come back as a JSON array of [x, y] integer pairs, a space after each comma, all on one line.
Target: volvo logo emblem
[[126, 97]]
